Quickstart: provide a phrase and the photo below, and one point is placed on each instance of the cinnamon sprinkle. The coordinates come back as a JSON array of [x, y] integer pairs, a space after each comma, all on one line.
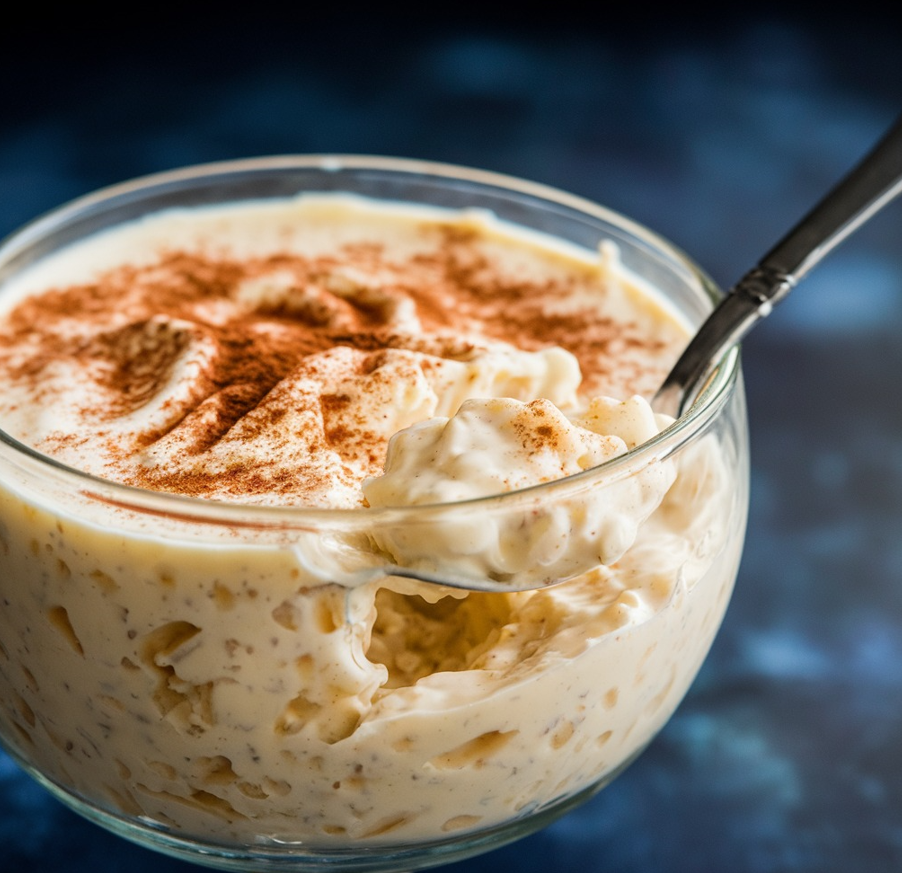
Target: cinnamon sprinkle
[[210, 376]]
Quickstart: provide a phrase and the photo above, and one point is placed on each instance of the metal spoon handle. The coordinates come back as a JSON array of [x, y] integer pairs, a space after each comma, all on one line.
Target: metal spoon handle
[[866, 189]]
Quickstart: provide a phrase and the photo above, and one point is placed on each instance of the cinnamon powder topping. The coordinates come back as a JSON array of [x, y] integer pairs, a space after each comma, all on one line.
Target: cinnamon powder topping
[[280, 377]]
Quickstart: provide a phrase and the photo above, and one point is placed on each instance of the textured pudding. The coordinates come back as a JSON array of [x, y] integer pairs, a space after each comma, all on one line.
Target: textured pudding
[[229, 682]]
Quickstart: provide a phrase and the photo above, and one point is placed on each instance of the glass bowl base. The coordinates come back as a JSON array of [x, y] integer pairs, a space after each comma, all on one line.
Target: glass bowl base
[[303, 858]]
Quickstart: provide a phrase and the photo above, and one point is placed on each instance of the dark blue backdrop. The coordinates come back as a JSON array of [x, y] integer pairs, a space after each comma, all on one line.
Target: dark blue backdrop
[[787, 754]]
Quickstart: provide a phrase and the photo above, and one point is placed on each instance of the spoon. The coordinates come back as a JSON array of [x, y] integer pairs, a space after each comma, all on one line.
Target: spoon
[[866, 189]]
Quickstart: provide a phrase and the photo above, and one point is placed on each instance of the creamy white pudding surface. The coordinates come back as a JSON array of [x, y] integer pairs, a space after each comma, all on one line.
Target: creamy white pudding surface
[[227, 682]]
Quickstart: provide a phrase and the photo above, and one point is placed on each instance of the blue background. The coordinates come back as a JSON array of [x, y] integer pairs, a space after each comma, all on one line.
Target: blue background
[[716, 132]]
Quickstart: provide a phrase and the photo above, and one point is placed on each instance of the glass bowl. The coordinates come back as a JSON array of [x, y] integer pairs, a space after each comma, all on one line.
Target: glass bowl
[[153, 670]]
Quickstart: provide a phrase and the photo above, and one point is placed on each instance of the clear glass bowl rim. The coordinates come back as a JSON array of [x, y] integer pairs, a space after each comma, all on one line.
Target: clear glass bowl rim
[[691, 423]]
